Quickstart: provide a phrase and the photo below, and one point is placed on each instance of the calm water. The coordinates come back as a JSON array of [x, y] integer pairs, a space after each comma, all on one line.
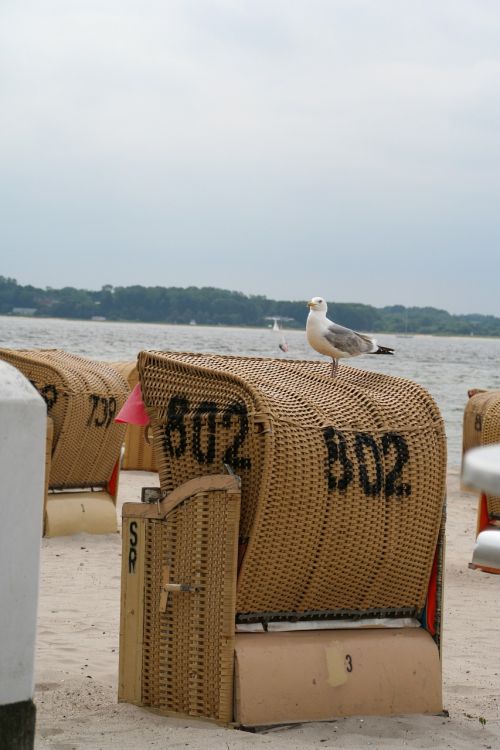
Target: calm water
[[446, 367]]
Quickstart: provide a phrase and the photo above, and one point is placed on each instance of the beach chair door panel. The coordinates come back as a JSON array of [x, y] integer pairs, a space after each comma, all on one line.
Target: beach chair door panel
[[189, 595]]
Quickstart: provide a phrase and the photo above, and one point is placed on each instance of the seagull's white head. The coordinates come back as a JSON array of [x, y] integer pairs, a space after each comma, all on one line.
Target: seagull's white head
[[317, 304]]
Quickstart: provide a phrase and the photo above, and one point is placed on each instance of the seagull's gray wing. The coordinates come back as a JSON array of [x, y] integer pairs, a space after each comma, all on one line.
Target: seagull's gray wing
[[348, 341]]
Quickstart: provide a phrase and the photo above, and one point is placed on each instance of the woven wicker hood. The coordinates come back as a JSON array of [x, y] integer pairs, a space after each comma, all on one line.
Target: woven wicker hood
[[343, 480], [82, 397]]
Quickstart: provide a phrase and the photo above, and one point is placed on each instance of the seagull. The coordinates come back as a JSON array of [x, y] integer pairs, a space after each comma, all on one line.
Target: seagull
[[336, 341]]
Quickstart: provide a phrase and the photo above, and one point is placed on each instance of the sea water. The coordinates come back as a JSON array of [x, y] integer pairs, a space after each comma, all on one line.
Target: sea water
[[445, 366]]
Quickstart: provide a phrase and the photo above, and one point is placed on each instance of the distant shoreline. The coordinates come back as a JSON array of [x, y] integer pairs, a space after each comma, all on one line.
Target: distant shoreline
[[211, 306]]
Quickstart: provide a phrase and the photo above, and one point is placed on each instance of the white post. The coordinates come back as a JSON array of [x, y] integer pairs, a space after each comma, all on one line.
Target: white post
[[23, 418]]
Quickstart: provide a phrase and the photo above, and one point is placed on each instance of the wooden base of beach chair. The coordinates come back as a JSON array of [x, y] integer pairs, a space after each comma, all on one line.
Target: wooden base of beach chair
[[283, 678], [69, 513]]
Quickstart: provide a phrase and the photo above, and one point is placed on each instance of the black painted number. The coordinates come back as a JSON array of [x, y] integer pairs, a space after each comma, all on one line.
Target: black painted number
[[370, 466], [48, 393], [203, 439], [367, 463], [103, 411], [391, 441], [204, 414], [232, 454], [175, 430], [337, 453]]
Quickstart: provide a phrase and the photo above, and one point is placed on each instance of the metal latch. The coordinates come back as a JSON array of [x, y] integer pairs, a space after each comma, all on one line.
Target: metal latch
[[167, 588]]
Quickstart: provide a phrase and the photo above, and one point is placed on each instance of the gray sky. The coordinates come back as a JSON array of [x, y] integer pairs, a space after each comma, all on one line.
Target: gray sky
[[343, 148]]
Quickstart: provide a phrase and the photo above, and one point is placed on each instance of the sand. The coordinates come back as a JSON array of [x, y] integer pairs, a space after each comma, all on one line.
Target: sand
[[77, 658]]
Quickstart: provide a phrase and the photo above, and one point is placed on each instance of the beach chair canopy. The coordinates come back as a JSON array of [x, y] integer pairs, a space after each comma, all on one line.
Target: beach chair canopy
[[82, 396], [342, 479]]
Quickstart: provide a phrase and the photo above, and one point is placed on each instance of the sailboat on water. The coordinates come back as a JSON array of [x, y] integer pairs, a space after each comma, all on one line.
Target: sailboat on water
[[278, 328], [405, 335]]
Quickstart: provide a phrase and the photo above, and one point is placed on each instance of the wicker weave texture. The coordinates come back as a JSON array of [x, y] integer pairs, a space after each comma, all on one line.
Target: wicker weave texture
[[481, 426], [82, 398], [189, 640], [343, 480], [138, 455]]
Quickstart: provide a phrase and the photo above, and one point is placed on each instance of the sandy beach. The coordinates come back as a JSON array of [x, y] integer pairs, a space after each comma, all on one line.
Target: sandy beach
[[77, 658]]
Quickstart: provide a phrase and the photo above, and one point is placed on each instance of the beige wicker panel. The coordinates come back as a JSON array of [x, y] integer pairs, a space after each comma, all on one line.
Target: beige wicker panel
[[138, 455], [481, 426], [343, 480], [187, 635], [82, 398], [128, 371]]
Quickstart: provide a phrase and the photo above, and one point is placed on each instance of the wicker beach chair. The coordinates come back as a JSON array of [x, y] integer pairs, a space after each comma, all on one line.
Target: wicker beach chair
[[338, 525], [82, 396], [481, 426]]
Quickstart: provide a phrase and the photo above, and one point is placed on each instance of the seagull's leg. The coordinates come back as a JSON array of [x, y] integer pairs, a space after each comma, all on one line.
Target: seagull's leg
[[335, 364]]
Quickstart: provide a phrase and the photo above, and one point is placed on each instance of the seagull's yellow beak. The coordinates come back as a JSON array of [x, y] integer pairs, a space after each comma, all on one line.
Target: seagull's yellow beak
[[310, 304]]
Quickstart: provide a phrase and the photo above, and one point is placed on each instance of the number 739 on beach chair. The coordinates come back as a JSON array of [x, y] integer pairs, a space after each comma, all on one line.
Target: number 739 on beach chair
[[82, 397]]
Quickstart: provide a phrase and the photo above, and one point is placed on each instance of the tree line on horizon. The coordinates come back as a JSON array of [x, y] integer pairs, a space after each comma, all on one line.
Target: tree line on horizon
[[213, 306]]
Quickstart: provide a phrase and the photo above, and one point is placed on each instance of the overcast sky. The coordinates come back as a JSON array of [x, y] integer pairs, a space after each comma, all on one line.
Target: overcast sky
[[343, 148]]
